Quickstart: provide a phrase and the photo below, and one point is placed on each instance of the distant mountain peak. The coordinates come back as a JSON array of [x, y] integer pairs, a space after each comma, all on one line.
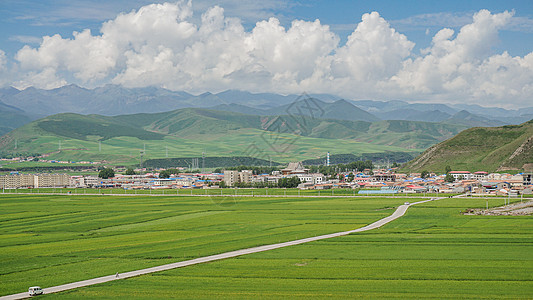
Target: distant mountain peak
[[462, 114]]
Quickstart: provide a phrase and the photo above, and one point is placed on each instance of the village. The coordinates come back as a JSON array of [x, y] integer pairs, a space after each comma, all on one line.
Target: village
[[370, 182]]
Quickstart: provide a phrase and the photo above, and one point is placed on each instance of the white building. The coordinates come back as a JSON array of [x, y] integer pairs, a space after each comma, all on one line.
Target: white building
[[315, 178], [457, 175]]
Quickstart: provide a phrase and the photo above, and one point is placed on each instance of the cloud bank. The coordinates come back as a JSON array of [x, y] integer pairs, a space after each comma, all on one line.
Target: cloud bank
[[161, 45]]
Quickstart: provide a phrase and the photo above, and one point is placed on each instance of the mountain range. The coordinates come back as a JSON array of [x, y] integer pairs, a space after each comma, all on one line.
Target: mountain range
[[187, 132], [32, 103]]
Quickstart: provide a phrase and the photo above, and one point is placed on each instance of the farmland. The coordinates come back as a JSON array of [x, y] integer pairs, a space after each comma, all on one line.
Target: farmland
[[433, 251]]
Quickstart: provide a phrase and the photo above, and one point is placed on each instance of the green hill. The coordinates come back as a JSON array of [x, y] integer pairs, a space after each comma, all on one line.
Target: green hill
[[190, 132], [11, 118], [93, 126], [208, 162], [481, 149]]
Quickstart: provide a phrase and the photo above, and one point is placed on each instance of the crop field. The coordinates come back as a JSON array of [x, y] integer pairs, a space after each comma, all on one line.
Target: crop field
[[286, 192], [431, 252], [56, 239]]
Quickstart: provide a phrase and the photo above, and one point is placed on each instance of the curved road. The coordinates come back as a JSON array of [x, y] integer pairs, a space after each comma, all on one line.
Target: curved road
[[400, 211]]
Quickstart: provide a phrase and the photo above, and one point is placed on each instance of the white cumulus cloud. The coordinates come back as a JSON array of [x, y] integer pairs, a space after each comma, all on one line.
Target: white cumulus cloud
[[461, 67], [161, 45]]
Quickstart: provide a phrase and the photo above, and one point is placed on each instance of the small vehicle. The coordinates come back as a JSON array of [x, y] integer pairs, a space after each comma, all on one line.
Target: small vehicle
[[35, 290], [406, 203]]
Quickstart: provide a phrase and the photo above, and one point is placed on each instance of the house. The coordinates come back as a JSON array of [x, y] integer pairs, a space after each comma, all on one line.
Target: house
[[315, 178], [294, 168], [461, 175], [384, 177], [527, 179], [480, 175], [414, 189]]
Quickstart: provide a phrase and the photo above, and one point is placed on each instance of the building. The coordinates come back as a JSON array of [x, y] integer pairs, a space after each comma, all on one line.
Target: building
[[315, 178], [461, 175], [51, 180], [245, 176], [480, 175], [90, 181], [14, 181], [232, 177], [527, 179], [384, 177], [294, 168]]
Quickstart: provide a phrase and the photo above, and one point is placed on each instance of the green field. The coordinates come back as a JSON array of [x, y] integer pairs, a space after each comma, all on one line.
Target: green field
[[431, 252], [286, 192]]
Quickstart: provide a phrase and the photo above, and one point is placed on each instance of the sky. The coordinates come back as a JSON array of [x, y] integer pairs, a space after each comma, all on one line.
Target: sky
[[473, 52]]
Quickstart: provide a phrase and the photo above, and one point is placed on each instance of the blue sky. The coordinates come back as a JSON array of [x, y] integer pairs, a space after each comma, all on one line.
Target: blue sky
[[26, 21], [413, 26]]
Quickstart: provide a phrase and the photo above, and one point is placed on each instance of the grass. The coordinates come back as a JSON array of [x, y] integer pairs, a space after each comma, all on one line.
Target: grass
[[242, 142], [212, 192], [190, 132], [480, 148], [431, 252], [51, 240]]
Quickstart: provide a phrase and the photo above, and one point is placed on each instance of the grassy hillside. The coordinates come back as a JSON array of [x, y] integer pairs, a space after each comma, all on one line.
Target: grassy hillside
[[208, 162], [482, 148], [189, 132], [11, 118], [399, 157], [92, 127]]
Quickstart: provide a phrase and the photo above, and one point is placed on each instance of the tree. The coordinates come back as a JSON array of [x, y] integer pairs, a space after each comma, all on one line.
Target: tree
[[448, 169], [424, 174], [164, 174], [106, 173], [449, 178], [290, 182], [351, 176], [341, 177], [130, 171]]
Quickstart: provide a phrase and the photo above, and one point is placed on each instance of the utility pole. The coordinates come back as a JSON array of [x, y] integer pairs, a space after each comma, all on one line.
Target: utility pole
[[203, 162], [141, 163]]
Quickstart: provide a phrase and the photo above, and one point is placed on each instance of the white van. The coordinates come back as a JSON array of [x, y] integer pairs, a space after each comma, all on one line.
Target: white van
[[35, 290]]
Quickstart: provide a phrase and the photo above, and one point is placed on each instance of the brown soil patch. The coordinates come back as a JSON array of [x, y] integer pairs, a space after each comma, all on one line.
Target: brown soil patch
[[515, 209]]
